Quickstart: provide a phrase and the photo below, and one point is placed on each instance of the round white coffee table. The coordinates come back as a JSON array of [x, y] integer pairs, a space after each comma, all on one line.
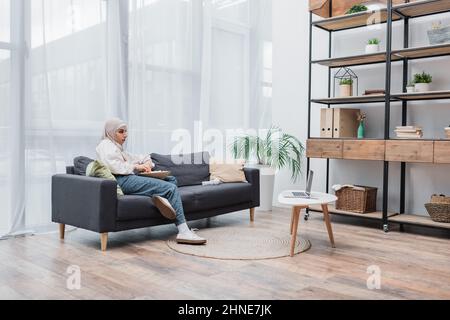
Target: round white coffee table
[[317, 198]]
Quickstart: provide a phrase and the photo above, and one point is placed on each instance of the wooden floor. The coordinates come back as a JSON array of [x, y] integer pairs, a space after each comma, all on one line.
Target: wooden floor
[[139, 265]]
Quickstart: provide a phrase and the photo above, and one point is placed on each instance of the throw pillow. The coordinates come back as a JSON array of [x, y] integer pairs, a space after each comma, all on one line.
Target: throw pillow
[[228, 172], [189, 169], [99, 170], [80, 164]]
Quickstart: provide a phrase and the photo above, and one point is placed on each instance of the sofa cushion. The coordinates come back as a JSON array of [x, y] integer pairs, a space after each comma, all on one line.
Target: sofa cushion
[[131, 207], [200, 198], [228, 172], [193, 171], [99, 170], [80, 164]]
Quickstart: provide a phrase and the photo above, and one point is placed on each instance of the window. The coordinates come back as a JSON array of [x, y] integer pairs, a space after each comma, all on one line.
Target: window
[[64, 18]]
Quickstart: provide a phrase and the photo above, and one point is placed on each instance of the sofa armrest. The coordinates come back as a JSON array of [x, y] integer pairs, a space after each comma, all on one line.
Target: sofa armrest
[[252, 176], [84, 202]]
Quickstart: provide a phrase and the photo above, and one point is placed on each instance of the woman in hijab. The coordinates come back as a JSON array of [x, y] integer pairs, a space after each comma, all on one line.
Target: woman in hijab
[[125, 166]]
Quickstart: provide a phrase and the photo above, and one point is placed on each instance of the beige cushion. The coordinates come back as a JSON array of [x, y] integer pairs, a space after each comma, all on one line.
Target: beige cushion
[[228, 172]]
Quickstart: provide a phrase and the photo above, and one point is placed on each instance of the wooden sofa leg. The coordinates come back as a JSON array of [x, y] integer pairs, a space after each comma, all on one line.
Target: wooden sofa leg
[[104, 240], [62, 229], [252, 214]]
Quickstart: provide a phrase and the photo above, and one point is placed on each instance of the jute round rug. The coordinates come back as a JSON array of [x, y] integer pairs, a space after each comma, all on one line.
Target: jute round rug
[[241, 243]]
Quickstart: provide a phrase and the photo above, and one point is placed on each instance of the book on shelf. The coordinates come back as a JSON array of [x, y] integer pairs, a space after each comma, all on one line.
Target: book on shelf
[[410, 135], [409, 132], [408, 128], [374, 92]]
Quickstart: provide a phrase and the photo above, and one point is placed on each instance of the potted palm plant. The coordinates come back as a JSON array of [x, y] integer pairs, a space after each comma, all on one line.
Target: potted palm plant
[[422, 82], [276, 150]]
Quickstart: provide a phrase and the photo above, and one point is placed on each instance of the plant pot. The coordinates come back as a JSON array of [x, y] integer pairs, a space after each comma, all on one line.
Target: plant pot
[[266, 186], [410, 89], [346, 90], [372, 48], [422, 87]]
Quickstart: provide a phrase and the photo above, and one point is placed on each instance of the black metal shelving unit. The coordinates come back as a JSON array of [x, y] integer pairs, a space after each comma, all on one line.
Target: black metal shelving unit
[[389, 15]]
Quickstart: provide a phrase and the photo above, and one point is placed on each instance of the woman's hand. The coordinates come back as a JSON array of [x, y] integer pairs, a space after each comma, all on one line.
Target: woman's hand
[[148, 165], [142, 168]]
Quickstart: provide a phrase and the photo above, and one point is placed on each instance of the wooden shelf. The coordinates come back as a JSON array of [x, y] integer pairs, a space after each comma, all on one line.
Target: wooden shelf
[[393, 150], [380, 57], [431, 95], [422, 52], [418, 221], [349, 100], [363, 59], [422, 8], [351, 21], [332, 210]]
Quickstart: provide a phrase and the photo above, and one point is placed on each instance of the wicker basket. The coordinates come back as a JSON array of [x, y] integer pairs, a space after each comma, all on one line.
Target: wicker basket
[[439, 212], [357, 200]]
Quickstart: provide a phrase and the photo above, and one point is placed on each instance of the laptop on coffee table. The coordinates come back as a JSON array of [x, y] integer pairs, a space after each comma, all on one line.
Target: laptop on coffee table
[[303, 194]]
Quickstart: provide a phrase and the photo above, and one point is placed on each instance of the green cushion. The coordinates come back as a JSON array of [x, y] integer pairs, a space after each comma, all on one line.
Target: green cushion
[[99, 170]]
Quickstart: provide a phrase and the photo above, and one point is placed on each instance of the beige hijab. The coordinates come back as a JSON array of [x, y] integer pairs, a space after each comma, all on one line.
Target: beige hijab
[[111, 127]]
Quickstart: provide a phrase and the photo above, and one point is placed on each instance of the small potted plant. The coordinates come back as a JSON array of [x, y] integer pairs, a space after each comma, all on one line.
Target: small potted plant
[[422, 82], [373, 46], [346, 87], [361, 117], [357, 8]]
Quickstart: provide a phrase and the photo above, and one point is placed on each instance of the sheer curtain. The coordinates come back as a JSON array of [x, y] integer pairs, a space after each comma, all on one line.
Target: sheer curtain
[[198, 65], [72, 81], [162, 65]]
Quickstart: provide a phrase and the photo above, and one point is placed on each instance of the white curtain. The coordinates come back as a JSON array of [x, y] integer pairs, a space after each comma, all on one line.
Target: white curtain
[[162, 65], [198, 65], [72, 81]]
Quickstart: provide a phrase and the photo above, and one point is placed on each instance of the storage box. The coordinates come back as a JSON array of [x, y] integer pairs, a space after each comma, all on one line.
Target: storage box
[[360, 200], [326, 122], [340, 7], [320, 7], [339, 123], [345, 123]]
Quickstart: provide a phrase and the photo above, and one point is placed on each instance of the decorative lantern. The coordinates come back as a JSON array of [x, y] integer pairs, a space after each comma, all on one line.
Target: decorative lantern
[[345, 79]]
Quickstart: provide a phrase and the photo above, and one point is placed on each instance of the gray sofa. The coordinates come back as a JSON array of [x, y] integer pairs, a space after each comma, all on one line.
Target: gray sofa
[[92, 203]]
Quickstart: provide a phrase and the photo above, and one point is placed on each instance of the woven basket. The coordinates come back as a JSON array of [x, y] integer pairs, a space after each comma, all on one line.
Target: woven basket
[[439, 212], [359, 201]]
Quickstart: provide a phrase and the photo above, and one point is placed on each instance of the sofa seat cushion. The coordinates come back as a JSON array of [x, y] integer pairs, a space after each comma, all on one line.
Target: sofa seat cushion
[[200, 198], [131, 207]]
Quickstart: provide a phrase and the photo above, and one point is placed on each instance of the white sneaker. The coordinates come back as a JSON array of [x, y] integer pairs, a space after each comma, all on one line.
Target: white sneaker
[[190, 238], [164, 207]]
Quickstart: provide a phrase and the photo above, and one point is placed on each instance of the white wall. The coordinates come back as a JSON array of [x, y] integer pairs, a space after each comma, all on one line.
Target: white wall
[[290, 95]]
